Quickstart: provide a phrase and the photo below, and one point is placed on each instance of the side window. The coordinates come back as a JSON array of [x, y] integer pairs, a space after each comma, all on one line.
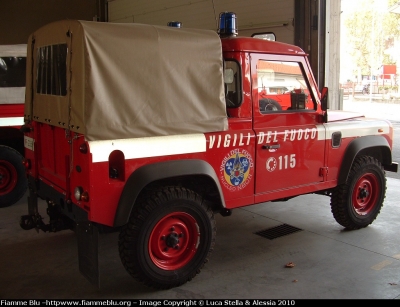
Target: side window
[[12, 71], [232, 81], [52, 70], [282, 87]]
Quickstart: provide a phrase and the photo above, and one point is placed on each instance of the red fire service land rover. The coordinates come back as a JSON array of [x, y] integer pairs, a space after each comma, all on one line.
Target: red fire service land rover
[[152, 130]]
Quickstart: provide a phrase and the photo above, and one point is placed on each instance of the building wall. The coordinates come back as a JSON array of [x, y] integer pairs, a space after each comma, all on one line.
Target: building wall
[[332, 63], [19, 18], [252, 15]]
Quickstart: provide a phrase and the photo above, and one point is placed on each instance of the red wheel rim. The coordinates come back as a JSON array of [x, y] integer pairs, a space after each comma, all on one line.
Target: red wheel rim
[[174, 240], [8, 177], [365, 194]]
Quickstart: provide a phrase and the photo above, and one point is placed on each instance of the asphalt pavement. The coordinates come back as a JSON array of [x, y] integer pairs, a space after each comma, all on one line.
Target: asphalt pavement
[[373, 106]]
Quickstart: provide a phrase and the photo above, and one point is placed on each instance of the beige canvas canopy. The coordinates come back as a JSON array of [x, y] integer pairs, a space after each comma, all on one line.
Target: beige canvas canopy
[[130, 80]]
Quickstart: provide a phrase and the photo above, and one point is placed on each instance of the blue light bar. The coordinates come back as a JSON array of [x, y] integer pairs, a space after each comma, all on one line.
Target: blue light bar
[[174, 24], [227, 24]]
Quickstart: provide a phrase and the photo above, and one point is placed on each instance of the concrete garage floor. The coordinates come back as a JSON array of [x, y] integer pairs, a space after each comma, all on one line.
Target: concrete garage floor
[[330, 263]]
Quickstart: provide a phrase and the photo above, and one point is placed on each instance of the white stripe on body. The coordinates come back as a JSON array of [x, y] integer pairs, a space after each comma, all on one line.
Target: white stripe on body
[[148, 146]]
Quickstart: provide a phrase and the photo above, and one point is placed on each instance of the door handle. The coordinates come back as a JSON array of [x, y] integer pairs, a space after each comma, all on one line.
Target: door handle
[[275, 146]]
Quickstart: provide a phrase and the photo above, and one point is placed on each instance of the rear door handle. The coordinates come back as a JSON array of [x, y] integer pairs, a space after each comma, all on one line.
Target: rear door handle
[[275, 146]]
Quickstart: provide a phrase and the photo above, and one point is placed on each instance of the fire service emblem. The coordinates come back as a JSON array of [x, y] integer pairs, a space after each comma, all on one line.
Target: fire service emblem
[[236, 169]]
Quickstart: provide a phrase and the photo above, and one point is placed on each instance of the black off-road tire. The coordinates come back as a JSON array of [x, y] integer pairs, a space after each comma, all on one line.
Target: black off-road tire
[[168, 238], [268, 105], [13, 181], [356, 203]]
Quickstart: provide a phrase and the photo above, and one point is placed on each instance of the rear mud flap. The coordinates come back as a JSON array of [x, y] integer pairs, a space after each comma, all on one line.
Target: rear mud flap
[[88, 242]]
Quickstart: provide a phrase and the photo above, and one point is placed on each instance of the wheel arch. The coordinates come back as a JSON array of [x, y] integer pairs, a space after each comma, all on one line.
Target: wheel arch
[[375, 146], [172, 172], [12, 137]]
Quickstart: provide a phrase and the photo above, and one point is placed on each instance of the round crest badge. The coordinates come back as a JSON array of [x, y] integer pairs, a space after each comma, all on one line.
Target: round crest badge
[[236, 168]]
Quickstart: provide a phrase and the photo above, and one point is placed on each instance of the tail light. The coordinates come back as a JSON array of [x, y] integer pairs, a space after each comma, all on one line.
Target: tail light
[[26, 163], [80, 194], [83, 148]]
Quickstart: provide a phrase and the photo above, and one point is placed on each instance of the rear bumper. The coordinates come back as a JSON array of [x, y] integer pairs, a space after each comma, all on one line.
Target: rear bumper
[[392, 167]]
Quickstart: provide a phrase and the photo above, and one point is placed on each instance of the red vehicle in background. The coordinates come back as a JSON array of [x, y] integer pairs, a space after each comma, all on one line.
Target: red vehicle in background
[[280, 99], [13, 183], [280, 84]]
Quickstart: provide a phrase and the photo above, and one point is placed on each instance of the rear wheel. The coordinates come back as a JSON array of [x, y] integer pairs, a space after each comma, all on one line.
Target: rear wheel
[[13, 183], [168, 238], [356, 203]]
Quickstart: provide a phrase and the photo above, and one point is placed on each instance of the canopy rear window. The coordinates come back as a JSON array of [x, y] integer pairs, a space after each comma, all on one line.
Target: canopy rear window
[[52, 70]]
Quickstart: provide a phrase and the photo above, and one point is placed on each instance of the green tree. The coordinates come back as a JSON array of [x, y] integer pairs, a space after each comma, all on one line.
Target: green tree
[[372, 30]]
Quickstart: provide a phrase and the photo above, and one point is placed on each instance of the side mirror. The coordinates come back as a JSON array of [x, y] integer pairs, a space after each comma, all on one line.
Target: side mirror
[[324, 99]]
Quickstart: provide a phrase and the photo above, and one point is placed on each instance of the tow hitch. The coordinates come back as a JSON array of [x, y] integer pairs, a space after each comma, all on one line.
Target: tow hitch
[[28, 222], [57, 221]]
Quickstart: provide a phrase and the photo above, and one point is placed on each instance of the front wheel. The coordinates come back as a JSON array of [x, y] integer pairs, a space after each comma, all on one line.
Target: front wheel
[[356, 203], [13, 182], [168, 238]]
